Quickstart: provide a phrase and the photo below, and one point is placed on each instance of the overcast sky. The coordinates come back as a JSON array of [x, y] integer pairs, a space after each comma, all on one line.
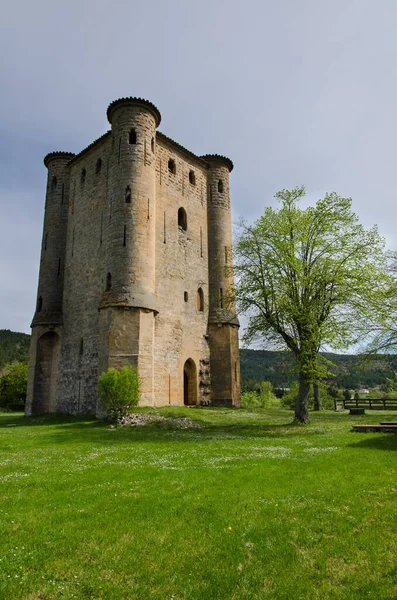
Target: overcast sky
[[294, 91]]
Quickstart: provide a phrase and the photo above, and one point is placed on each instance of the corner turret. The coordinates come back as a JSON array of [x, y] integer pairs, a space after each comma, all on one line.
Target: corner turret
[[129, 305], [47, 321], [52, 262], [222, 320]]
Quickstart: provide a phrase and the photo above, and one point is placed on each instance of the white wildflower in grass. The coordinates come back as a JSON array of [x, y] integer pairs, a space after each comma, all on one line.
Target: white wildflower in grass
[[10, 476], [315, 450]]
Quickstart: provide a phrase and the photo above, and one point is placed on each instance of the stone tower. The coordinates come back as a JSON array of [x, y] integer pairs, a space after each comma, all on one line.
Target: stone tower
[[136, 269]]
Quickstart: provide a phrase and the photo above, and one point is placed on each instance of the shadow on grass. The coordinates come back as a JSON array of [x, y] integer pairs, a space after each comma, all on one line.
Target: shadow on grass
[[383, 441], [88, 430], [19, 420]]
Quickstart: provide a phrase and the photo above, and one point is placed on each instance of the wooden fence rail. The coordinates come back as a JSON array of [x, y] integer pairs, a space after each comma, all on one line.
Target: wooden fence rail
[[370, 403]]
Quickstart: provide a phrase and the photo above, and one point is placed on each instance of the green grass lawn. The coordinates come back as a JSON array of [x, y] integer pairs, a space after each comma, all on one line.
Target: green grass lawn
[[249, 507]]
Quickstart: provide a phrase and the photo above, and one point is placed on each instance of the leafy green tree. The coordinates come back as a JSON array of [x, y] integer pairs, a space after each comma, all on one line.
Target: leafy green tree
[[13, 384], [119, 390], [308, 278], [347, 394]]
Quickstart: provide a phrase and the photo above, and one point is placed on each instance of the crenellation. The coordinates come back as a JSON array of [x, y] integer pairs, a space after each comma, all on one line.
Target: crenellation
[[126, 279]]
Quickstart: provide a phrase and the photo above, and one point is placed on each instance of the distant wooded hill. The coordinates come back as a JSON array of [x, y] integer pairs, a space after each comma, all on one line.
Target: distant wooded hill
[[350, 371], [13, 346]]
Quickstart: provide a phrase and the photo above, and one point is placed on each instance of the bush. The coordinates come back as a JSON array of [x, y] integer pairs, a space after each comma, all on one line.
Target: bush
[[119, 390], [263, 398], [13, 384], [289, 399]]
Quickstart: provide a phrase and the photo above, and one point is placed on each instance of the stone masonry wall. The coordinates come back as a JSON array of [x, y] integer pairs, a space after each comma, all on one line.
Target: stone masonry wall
[[85, 277], [181, 269]]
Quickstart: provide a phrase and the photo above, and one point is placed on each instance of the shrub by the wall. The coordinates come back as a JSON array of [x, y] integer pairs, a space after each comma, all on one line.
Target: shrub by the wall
[[119, 390]]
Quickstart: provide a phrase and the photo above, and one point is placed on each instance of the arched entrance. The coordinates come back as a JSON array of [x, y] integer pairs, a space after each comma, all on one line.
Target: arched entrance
[[46, 374], [189, 383]]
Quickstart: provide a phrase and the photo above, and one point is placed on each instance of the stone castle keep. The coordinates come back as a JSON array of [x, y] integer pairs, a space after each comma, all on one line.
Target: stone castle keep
[[135, 270]]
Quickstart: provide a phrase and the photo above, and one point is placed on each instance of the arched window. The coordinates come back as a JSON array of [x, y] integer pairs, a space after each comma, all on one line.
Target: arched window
[[54, 184], [108, 282], [83, 175], [220, 186], [98, 167], [192, 177], [127, 195], [152, 144], [200, 300], [172, 166], [39, 304], [132, 137], [182, 219]]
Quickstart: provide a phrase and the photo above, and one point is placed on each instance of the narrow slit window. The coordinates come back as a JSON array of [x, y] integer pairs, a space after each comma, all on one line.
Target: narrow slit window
[[63, 193], [59, 268], [152, 144], [182, 219], [83, 175], [201, 242], [81, 349], [54, 184], [185, 296], [221, 297], [98, 166], [200, 300], [220, 186], [128, 195], [165, 231], [39, 304], [226, 256], [172, 166], [192, 177], [45, 241], [132, 137], [108, 282], [125, 236]]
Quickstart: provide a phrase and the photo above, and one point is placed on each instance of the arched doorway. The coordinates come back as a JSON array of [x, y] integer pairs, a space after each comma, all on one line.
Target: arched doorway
[[46, 374], [189, 383]]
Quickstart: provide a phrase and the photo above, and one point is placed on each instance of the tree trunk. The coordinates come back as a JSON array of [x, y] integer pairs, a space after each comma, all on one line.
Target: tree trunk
[[302, 402], [317, 397]]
